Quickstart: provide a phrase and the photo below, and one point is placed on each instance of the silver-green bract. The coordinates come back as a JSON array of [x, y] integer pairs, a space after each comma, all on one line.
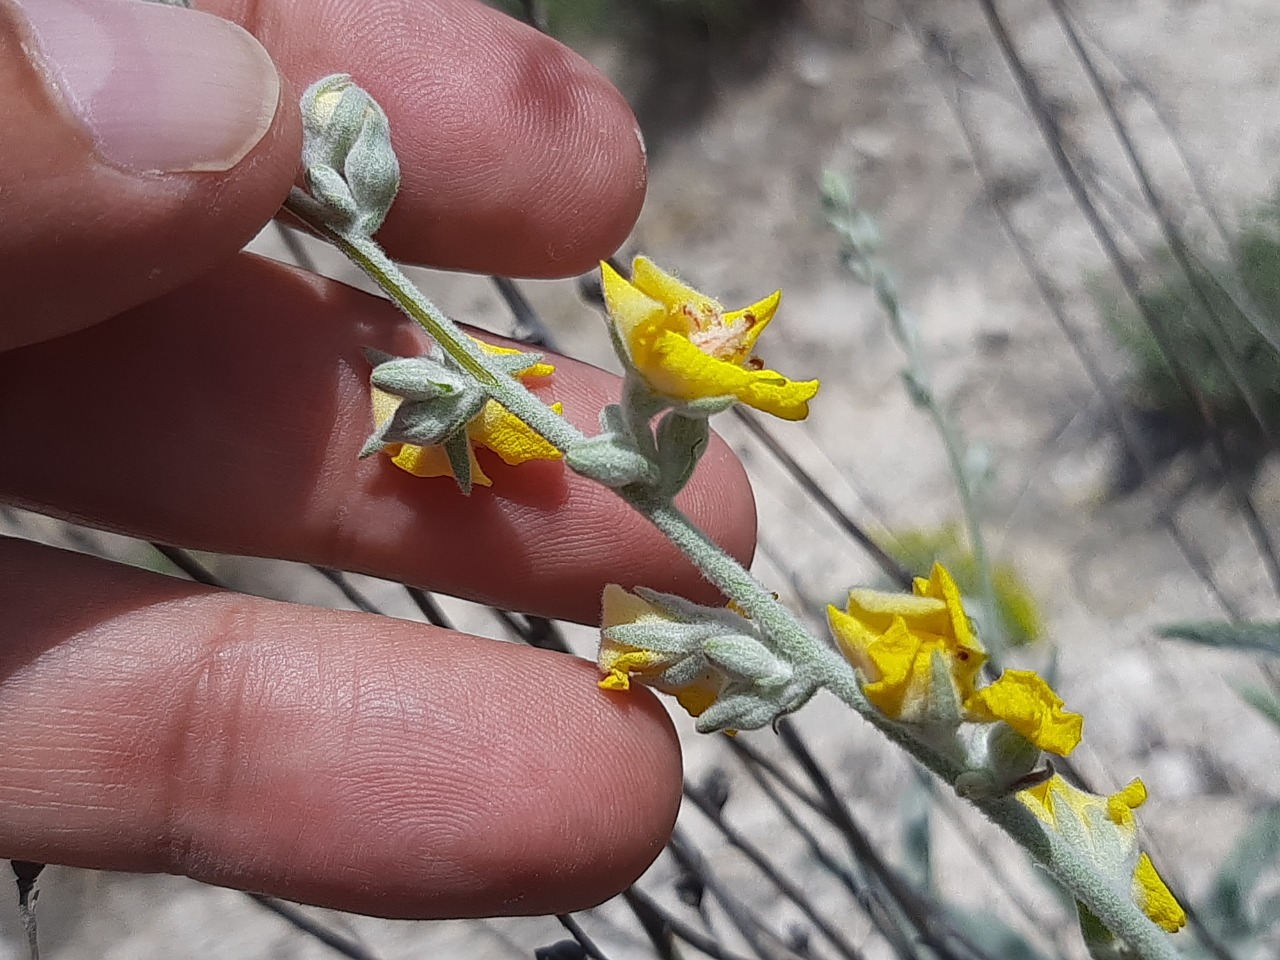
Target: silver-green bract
[[350, 168], [756, 686], [438, 399]]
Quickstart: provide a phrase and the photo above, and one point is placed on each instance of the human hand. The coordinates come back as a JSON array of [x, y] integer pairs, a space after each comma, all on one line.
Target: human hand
[[157, 382]]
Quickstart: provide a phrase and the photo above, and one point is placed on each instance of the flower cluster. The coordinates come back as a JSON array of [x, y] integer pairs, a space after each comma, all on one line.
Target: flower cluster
[[1108, 830], [712, 660], [920, 660]]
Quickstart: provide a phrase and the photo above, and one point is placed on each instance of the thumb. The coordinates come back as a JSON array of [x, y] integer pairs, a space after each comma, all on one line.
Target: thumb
[[140, 144]]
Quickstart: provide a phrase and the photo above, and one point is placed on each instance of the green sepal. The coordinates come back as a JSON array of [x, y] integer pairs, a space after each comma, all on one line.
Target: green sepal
[[747, 659], [750, 707], [611, 459], [414, 379], [458, 450], [424, 422], [703, 407], [438, 399], [1010, 755], [681, 441], [663, 636], [375, 443], [943, 708], [690, 612], [372, 170], [741, 711], [1101, 943], [327, 186], [685, 670]]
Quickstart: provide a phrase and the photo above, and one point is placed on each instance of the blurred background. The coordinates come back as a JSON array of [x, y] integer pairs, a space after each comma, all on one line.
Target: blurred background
[[1062, 194]]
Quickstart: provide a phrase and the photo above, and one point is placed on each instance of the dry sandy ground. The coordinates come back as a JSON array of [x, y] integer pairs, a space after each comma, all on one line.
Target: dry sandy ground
[[734, 206]]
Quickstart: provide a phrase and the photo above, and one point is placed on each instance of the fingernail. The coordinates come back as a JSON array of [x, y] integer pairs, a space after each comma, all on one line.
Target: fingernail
[[160, 89]]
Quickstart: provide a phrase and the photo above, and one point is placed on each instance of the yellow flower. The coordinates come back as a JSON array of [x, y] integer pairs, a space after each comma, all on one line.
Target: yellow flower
[[1106, 828], [495, 428], [899, 641], [1025, 702], [894, 639], [687, 347], [619, 662]]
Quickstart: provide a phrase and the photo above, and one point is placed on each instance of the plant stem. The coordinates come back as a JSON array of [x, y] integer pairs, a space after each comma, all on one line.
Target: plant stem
[[505, 389]]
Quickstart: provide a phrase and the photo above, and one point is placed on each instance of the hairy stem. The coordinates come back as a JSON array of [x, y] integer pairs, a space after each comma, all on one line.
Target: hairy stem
[[505, 389]]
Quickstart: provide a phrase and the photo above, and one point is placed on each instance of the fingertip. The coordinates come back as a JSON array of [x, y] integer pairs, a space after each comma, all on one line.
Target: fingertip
[[172, 127], [643, 752], [546, 177], [356, 762], [517, 156], [622, 802]]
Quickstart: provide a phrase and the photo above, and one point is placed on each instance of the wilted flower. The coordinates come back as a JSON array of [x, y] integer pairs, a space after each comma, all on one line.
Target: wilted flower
[[493, 427], [677, 669], [1106, 829], [686, 347], [1023, 700], [713, 660], [893, 640]]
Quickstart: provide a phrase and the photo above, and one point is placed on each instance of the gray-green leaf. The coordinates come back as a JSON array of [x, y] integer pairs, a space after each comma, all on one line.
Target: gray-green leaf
[[1227, 905], [1240, 636], [1264, 701]]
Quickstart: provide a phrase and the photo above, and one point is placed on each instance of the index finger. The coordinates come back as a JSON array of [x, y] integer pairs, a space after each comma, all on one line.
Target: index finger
[[517, 156]]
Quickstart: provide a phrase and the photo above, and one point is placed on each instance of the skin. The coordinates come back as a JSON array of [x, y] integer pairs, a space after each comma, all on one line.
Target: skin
[[155, 381]]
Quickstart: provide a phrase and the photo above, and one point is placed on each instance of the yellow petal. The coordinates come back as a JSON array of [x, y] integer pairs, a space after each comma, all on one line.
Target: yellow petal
[[902, 670], [620, 606], [1025, 702], [675, 367], [654, 282], [1120, 805], [761, 312], [941, 585], [1056, 798], [628, 307], [384, 405], [615, 680], [696, 696], [877, 609], [432, 461], [853, 638], [1154, 897], [622, 659], [501, 431]]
